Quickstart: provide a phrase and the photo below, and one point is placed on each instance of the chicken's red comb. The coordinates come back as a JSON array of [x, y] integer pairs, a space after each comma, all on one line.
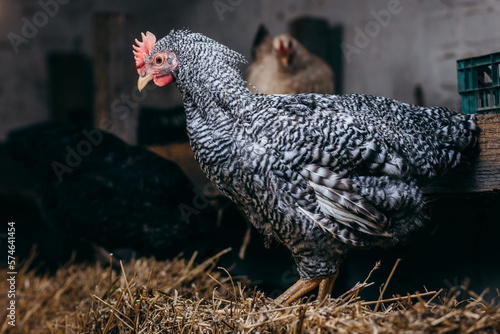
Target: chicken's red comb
[[142, 49]]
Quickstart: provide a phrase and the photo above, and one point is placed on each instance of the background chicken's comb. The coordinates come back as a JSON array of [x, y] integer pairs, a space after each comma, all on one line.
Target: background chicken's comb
[[142, 49]]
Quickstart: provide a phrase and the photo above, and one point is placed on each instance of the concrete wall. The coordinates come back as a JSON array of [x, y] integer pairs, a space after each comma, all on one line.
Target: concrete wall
[[386, 54]]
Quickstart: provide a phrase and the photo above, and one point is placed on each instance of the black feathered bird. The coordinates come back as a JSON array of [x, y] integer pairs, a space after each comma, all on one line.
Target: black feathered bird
[[320, 173], [92, 185]]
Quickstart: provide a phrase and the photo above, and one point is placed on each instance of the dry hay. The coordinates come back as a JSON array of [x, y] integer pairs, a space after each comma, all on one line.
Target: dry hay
[[178, 296]]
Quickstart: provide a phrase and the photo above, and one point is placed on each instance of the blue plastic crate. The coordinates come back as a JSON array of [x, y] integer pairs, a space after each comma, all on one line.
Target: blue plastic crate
[[479, 84]]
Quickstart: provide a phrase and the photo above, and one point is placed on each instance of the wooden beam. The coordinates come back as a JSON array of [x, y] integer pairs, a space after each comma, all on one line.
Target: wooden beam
[[115, 75], [481, 176]]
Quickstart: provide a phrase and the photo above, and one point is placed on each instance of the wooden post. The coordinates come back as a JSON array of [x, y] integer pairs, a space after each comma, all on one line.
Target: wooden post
[[116, 95]]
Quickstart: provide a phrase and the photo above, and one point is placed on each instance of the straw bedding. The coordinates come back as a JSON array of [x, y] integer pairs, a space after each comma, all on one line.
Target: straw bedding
[[179, 296]]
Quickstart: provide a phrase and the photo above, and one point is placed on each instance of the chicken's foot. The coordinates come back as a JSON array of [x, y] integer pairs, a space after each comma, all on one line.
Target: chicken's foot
[[296, 291]]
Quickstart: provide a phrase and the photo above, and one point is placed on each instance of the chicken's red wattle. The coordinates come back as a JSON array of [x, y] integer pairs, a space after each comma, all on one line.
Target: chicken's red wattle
[[163, 80]]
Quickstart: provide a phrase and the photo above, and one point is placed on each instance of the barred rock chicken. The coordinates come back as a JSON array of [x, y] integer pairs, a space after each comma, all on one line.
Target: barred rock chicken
[[284, 66], [322, 174]]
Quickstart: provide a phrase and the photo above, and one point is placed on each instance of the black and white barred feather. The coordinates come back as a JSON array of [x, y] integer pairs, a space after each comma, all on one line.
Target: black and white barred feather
[[320, 173]]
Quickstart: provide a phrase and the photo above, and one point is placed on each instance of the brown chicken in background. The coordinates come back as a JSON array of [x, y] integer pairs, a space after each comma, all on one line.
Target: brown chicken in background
[[284, 66]]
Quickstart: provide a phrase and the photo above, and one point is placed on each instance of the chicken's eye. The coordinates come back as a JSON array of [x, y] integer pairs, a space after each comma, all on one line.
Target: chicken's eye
[[158, 60]]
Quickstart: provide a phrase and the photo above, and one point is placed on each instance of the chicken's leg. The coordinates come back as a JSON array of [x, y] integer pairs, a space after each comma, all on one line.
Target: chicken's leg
[[296, 291], [326, 287]]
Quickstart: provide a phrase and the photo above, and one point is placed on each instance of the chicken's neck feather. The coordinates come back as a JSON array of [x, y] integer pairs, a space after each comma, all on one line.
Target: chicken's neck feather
[[215, 98], [208, 76]]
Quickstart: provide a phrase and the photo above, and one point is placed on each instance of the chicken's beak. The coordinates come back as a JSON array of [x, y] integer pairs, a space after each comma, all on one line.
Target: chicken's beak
[[284, 60], [143, 81]]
